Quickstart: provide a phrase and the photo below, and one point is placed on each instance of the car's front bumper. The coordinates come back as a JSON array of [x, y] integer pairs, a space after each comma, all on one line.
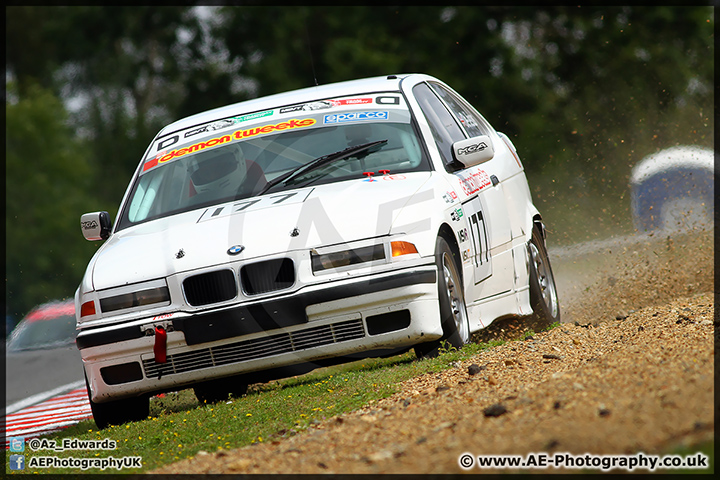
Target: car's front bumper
[[394, 309]]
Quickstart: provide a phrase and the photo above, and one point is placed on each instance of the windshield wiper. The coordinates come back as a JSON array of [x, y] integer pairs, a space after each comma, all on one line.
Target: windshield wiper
[[325, 159]]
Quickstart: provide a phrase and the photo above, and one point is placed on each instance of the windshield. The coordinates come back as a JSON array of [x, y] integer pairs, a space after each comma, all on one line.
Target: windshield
[[219, 162]]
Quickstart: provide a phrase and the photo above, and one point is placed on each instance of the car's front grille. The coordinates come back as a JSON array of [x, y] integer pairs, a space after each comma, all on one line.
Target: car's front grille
[[211, 287], [267, 276], [256, 348]]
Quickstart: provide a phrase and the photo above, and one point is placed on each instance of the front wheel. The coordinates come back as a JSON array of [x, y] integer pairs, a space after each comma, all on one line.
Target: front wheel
[[543, 293], [117, 412], [453, 313]]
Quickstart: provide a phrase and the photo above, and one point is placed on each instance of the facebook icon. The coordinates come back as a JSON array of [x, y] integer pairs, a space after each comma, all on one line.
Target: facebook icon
[[17, 462]]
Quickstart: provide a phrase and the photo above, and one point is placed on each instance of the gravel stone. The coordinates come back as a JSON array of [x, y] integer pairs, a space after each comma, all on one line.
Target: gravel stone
[[495, 410], [474, 369]]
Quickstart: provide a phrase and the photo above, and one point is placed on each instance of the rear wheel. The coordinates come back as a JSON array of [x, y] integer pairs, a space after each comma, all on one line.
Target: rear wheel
[[214, 391], [117, 412], [543, 293], [453, 313]]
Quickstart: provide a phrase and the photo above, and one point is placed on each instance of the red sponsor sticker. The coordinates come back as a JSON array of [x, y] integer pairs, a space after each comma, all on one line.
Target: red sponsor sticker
[[351, 101], [150, 164], [475, 182]]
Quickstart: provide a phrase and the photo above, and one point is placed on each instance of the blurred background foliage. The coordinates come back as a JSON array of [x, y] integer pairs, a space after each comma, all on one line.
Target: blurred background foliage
[[584, 93]]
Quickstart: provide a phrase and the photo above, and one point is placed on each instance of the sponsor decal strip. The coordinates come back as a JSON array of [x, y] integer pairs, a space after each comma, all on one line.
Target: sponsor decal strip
[[237, 135], [325, 104], [475, 182], [252, 116], [351, 101], [450, 197], [355, 116], [217, 125]]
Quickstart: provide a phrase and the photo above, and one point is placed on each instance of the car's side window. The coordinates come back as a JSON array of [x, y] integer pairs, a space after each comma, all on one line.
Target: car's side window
[[444, 128], [474, 124], [144, 199]]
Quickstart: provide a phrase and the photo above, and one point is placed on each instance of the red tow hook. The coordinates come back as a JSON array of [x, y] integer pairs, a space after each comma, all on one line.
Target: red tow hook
[[160, 348]]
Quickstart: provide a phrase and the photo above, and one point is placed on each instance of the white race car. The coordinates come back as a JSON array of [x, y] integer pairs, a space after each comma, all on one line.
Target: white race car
[[276, 235]]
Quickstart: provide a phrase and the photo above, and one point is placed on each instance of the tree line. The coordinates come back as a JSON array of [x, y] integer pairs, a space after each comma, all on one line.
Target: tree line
[[583, 92]]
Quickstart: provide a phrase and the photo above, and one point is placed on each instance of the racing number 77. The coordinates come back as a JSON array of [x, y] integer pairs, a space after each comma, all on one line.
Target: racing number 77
[[479, 234]]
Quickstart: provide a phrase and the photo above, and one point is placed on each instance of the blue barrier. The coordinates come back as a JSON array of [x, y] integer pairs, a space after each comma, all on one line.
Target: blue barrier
[[673, 188]]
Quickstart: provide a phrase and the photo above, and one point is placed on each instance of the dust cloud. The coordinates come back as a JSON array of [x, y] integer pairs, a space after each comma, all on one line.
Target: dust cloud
[[607, 280]]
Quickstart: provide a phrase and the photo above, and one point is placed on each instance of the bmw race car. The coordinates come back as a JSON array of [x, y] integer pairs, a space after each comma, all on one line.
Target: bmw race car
[[273, 236]]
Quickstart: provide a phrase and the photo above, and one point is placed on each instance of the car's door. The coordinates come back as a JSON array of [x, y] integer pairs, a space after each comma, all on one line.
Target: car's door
[[487, 227]]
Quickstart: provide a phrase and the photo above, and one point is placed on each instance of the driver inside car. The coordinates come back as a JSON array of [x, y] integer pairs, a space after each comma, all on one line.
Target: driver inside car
[[225, 172]]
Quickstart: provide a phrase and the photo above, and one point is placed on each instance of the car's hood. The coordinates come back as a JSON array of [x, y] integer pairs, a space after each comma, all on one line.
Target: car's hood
[[276, 222]]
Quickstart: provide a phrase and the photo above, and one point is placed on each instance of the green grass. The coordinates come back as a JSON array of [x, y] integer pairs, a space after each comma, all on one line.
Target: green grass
[[178, 427], [707, 448]]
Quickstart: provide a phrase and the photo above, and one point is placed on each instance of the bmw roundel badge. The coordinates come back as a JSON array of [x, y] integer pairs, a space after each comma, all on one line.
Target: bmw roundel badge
[[235, 249]]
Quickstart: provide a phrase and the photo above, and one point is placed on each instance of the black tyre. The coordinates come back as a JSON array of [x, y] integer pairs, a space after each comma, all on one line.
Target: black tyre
[[543, 293], [220, 390], [453, 313], [117, 412]]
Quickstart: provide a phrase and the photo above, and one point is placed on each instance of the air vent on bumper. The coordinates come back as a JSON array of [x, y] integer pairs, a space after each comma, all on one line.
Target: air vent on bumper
[[256, 348]]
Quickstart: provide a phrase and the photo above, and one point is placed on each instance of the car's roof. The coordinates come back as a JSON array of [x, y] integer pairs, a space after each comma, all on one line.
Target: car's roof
[[387, 83]]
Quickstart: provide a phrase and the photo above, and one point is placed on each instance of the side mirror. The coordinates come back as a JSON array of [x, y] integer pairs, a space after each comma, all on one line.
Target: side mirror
[[473, 151], [95, 226]]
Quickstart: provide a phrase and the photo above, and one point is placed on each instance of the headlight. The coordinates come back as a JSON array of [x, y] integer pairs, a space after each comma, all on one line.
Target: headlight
[[345, 258], [363, 254], [135, 299], [130, 296]]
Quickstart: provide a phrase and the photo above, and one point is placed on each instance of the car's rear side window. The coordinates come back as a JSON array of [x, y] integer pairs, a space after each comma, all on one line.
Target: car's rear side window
[[445, 129], [473, 123]]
